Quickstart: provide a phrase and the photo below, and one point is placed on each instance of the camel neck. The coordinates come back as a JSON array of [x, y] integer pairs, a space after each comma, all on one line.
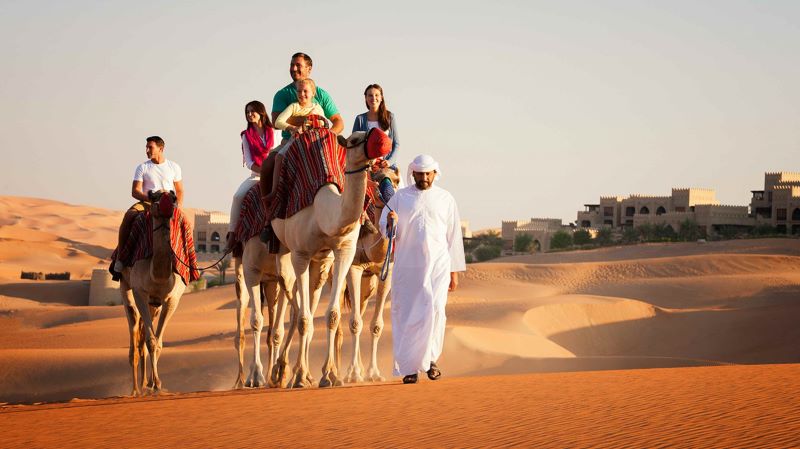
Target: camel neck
[[355, 188], [161, 266]]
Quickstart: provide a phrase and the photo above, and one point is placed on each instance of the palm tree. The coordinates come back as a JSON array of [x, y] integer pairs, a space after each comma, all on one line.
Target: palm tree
[[222, 266]]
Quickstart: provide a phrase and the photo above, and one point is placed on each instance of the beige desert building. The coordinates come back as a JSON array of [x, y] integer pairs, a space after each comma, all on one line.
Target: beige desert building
[[777, 205], [541, 229], [210, 229], [695, 204], [466, 232]]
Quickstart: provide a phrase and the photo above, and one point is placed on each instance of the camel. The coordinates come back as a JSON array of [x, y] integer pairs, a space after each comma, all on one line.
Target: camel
[[330, 223], [151, 291], [264, 289], [362, 282], [258, 268]]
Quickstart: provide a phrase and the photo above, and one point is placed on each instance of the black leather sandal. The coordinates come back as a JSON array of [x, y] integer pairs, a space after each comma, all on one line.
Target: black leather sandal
[[434, 373], [410, 379]]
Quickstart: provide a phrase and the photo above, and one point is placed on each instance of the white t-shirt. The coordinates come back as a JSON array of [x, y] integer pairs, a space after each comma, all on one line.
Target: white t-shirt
[[158, 176]]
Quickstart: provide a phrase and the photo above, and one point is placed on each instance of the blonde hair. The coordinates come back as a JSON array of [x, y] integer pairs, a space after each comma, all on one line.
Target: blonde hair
[[299, 83]]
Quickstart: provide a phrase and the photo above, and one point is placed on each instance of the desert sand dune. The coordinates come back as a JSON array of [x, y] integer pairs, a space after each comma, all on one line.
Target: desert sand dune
[[734, 406], [50, 236], [614, 309]]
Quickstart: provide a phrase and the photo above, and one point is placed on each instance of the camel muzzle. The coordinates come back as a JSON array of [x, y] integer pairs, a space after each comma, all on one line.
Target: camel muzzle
[[378, 144]]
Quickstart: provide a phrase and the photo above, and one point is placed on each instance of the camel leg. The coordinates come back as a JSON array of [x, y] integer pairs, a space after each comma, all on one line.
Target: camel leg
[[354, 373], [252, 280], [275, 337], [243, 298], [170, 305], [318, 274], [304, 317], [143, 354], [376, 328], [281, 376], [271, 292], [343, 259], [146, 316], [134, 325], [155, 312], [366, 293]]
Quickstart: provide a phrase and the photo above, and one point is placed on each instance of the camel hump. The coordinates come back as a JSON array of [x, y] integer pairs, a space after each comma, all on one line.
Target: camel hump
[[312, 161]]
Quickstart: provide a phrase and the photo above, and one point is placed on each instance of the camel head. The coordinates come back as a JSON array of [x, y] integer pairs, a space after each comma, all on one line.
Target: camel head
[[382, 176], [366, 145], [164, 203]]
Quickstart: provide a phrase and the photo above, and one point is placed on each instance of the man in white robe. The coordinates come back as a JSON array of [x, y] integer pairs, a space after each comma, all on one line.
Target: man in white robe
[[429, 253]]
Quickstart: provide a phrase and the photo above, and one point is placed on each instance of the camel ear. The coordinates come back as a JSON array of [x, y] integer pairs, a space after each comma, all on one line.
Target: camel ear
[[341, 140]]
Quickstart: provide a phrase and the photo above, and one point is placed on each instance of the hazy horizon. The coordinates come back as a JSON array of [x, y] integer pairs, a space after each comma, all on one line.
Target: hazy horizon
[[533, 109]]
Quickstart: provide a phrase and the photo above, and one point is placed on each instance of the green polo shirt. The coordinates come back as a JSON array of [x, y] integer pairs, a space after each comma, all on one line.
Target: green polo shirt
[[288, 95]]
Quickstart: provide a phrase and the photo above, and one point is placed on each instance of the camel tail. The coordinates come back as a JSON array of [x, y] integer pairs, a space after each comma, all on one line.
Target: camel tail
[[347, 301]]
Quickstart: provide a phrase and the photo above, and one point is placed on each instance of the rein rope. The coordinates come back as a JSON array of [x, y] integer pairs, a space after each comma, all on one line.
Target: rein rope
[[358, 170], [165, 225], [198, 268], [392, 231]]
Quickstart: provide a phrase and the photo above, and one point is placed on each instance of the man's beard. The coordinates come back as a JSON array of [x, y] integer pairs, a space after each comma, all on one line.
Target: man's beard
[[422, 185]]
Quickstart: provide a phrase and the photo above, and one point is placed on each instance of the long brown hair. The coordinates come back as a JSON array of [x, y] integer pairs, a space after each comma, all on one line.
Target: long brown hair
[[258, 108], [384, 115]]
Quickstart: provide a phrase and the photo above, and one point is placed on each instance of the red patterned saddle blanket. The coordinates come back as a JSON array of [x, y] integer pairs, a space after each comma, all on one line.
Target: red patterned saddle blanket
[[139, 245]]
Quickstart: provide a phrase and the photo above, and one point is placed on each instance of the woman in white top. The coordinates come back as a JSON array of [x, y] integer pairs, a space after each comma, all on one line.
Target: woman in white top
[[257, 141]]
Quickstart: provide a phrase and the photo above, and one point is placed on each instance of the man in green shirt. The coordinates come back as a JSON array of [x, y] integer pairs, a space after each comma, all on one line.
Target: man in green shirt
[[300, 68]]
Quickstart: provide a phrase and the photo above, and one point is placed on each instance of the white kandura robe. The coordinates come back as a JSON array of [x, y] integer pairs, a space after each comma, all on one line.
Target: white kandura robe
[[428, 246]]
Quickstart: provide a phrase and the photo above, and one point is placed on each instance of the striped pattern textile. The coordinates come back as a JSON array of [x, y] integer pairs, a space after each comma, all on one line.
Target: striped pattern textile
[[313, 160], [139, 244], [252, 217]]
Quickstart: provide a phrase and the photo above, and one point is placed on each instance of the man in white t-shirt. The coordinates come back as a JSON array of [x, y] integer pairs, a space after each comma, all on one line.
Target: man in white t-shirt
[[157, 173]]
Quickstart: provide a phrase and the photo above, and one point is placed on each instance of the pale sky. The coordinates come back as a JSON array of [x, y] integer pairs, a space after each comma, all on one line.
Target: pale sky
[[532, 108]]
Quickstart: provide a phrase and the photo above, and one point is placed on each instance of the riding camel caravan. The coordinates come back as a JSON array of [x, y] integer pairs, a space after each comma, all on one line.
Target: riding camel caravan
[[315, 240]]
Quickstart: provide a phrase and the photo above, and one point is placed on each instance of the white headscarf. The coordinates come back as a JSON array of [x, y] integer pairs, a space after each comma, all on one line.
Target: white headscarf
[[422, 163]]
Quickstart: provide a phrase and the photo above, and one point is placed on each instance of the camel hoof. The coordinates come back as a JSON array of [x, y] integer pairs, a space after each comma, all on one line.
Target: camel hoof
[[260, 381], [301, 381], [377, 378], [300, 384], [329, 380], [239, 384], [280, 377], [354, 378]]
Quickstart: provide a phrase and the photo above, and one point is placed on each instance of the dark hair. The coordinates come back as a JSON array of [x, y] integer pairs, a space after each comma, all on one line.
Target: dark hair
[[258, 108], [384, 116], [305, 57], [156, 140]]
